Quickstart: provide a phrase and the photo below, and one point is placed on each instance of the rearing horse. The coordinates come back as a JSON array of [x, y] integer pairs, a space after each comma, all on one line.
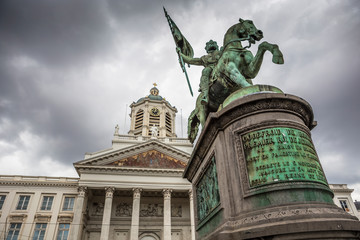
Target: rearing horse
[[235, 69]]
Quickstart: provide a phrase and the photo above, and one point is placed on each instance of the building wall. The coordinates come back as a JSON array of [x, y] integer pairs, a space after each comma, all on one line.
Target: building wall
[[151, 217], [36, 188], [342, 198], [151, 209]]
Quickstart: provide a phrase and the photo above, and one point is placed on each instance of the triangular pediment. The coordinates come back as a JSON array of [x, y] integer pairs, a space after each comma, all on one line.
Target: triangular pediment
[[150, 159], [151, 154]]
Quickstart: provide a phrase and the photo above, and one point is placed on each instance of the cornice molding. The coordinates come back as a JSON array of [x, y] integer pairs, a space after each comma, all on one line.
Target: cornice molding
[[342, 190], [147, 100], [38, 184], [128, 171]]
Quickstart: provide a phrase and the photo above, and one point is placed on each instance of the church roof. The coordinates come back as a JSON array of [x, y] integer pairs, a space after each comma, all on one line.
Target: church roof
[[151, 154], [154, 95]]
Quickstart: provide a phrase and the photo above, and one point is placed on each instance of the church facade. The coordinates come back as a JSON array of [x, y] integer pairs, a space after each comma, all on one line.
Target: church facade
[[133, 190]]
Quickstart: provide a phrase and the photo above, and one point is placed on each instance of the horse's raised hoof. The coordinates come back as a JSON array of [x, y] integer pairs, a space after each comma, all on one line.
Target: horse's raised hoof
[[278, 59]]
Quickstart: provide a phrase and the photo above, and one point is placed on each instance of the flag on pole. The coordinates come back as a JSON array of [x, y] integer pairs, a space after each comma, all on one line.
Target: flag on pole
[[182, 44], [179, 39]]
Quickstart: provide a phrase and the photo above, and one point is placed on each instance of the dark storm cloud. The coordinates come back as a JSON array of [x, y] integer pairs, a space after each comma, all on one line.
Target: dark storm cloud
[[44, 45], [41, 42], [55, 33]]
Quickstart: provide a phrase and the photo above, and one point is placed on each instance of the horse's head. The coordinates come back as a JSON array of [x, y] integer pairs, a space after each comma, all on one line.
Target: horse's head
[[248, 29], [244, 30]]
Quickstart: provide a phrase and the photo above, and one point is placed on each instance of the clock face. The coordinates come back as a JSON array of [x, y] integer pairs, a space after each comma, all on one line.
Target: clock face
[[155, 112]]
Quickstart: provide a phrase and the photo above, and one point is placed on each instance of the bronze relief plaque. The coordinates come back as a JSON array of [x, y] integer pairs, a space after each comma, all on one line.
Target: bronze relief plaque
[[207, 191], [280, 154]]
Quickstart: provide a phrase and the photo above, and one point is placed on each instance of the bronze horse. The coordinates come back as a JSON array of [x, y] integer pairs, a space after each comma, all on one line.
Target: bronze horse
[[235, 69]]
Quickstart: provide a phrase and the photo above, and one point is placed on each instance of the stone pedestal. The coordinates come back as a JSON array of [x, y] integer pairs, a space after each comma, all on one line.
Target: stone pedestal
[[256, 174]]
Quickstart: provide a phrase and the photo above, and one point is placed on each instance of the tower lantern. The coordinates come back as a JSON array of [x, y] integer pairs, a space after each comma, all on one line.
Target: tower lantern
[[152, 113]]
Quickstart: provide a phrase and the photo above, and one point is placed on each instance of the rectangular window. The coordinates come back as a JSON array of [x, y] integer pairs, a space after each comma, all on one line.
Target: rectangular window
[[344, 205], [47, 203], [23, 202], [14, 231], [39, 232], [63, 231], [2, 200], [68, 204]]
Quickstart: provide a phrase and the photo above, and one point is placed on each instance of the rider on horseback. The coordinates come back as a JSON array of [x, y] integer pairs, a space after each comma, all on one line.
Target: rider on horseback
[[208, 61], [226, 70]]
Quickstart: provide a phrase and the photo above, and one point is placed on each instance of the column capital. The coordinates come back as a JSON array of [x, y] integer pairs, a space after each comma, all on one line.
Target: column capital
[[191, 195], [167, 193], [109, 192], [137, 192], [82, 190]]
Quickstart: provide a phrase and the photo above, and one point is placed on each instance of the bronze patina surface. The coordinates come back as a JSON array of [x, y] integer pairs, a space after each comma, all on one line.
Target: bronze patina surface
[[280, 154], [207, 191], [270, 181], [226, 70]]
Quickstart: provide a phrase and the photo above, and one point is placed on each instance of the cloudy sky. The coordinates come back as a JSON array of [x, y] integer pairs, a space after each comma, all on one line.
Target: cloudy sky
[[70, 69]]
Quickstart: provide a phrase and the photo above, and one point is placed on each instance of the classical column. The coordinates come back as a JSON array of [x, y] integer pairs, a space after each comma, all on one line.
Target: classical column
[[134, 232], [105, 228], [192, 215], [76, 228], [167, 214]]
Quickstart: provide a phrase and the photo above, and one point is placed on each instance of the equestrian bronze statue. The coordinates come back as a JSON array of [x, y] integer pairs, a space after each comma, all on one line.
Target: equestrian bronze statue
[[226, 70]]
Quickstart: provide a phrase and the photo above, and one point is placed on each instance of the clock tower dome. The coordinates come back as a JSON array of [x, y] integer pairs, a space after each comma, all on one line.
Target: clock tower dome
[[152, 116]]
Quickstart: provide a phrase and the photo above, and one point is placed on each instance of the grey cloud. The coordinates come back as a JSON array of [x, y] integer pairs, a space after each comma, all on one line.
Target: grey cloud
[[55, 33]]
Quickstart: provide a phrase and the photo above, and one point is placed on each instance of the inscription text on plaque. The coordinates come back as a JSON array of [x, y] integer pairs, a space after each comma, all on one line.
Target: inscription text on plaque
[[280, 154]]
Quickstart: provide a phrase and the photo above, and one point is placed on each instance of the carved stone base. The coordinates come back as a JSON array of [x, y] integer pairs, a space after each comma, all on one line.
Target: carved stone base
[[256, 174]]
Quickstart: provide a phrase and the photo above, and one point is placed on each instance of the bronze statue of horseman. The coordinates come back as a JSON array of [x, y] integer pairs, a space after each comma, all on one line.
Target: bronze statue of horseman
[[233, 69]]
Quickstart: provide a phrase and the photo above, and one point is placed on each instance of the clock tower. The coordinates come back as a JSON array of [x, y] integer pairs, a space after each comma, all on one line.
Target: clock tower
[[152, 116]]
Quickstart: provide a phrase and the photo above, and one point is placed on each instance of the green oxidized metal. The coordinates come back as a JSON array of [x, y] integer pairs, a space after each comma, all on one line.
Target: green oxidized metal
[[207, 191], [281, 154]]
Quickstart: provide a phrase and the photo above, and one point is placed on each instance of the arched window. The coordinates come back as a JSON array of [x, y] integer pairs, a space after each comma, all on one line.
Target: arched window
[[154, 120], [149, 236], [139, 119]]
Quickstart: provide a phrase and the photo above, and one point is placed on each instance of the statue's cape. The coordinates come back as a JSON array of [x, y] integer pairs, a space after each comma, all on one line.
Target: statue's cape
[[179, 38]]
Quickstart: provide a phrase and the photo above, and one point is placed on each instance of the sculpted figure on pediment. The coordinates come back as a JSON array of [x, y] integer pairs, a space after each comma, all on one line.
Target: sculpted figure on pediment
[[150, 159]]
